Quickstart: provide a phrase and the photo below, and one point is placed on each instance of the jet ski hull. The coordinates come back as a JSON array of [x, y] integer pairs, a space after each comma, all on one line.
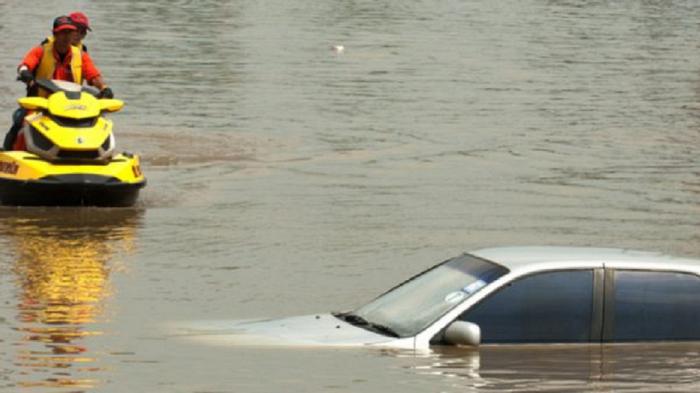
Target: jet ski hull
[[27, 180], [69, 190]]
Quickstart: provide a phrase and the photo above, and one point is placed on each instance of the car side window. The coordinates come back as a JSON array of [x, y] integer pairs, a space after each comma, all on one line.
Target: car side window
[[545, 307], [656, 306]]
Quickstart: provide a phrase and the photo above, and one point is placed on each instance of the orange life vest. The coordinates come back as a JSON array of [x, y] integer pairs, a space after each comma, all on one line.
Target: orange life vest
[[47, 65]]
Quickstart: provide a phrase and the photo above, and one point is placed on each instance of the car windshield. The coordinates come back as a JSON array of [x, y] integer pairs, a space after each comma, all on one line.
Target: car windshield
[[412, 306]]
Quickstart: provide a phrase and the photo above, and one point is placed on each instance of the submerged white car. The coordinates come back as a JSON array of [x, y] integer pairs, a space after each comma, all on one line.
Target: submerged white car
[[508, 295]]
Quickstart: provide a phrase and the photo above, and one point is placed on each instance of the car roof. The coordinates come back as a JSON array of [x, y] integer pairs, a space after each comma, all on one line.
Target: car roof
[[515, 258]]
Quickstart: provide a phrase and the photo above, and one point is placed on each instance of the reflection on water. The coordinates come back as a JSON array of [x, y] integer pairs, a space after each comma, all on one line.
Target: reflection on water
[[561, 368], [63, 259]]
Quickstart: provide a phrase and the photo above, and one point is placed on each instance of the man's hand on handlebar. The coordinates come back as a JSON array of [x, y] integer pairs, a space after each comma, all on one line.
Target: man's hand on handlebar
[[106, 93], [26, 76]]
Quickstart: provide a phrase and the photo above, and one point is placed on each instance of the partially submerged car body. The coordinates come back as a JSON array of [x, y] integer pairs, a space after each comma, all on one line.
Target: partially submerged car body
[[508, 295], [602, 265], [298, 331]]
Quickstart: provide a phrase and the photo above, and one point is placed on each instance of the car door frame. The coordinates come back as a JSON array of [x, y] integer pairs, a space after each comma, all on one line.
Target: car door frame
[[422, 339], [608, 328]]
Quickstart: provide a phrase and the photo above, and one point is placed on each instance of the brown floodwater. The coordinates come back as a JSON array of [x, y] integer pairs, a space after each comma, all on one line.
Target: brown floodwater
[[287, 178]]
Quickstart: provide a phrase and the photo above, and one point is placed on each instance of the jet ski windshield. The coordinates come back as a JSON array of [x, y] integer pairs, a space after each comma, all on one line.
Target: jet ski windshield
[[54, 85]]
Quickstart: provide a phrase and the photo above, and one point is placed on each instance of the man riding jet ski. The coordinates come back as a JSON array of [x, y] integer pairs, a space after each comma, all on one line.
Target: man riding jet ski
[[64, 153], [57, 58], [60, 151]]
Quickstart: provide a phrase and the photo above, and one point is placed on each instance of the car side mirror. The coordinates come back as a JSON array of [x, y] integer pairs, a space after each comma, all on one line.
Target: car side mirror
[[463, 333]]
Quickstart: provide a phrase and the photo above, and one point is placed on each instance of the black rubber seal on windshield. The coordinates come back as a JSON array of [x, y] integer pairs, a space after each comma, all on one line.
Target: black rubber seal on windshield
[[72, 95]]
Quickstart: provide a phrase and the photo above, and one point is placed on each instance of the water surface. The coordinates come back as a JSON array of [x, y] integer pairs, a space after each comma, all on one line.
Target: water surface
[[286, 178]]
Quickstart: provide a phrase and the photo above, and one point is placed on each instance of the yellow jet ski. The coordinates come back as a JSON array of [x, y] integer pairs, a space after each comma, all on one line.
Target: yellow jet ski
[[64, 154]]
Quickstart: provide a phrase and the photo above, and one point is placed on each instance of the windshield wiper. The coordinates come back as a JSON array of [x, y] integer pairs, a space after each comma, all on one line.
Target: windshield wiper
[[386, 330], [357, 320], [351, 318]]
